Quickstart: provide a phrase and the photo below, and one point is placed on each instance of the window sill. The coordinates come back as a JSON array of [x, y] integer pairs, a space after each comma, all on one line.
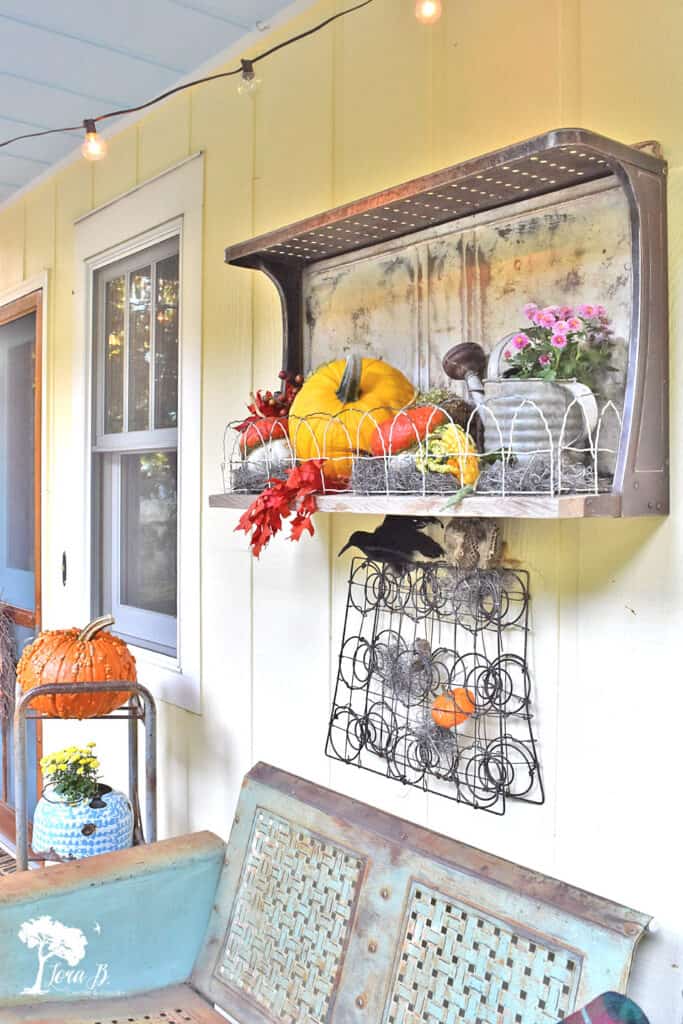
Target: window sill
[[164, 677]]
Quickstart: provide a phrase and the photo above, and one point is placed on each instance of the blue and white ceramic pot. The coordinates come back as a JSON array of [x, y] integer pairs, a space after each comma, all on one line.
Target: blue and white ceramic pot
[[85, 828]]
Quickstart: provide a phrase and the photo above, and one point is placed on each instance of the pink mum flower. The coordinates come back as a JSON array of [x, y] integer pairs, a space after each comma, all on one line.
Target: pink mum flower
[[508, 354], [521, 341], [588, 311], [546, 318], [558, 340], [530, 309], [566, 312], [600, 311], [561, 327], [545, 359], [574, 324]]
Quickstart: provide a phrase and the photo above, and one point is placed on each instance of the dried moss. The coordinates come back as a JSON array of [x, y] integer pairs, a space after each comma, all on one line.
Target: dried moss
[[398, 474], [538, 476]]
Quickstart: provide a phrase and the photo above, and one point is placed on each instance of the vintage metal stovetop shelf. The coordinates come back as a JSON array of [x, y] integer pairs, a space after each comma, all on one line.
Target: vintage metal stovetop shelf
[[550, 164]]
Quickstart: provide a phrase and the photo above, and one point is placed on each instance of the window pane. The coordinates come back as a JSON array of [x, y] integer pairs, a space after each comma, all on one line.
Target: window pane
[[140, 298], [166, 344], [114, 321], [149, 531]]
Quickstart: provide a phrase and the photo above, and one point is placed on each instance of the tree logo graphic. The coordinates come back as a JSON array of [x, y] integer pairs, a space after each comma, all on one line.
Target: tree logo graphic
[[51, 940]]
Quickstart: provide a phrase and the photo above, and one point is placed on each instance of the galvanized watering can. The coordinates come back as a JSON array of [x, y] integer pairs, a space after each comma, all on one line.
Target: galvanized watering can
[[529, 417]]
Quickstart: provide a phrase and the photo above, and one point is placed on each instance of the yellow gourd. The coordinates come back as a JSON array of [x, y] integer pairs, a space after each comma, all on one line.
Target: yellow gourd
[[451, 450], [335, 414]]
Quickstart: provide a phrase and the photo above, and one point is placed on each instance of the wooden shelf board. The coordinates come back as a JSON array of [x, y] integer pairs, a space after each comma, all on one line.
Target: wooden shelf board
[[578, 506]]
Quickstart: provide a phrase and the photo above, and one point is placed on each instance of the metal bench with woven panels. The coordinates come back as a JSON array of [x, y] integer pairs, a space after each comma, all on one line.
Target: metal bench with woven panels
[[319, 909]]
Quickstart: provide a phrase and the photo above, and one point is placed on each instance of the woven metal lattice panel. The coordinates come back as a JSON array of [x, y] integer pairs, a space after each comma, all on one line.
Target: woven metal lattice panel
[[458, 963], [291, 920]]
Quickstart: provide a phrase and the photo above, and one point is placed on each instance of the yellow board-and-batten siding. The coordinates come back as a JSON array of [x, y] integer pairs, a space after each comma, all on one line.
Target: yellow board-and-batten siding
[[370, 102]]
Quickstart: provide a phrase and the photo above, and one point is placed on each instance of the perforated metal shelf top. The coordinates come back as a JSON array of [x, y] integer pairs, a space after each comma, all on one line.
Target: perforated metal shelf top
[[545, 164]]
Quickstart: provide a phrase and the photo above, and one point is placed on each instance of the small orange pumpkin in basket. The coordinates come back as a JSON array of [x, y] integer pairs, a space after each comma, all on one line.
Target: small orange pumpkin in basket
[[90, 655], [452, 709]]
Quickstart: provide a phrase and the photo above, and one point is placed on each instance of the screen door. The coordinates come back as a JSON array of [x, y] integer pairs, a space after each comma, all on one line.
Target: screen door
[[20, 464]]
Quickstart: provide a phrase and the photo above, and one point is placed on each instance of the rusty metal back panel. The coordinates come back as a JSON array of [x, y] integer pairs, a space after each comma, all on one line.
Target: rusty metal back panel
[[329, 910], [408, 301]]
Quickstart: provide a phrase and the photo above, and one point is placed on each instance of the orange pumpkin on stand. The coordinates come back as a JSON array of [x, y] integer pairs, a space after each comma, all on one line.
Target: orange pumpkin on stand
[[90, 655]]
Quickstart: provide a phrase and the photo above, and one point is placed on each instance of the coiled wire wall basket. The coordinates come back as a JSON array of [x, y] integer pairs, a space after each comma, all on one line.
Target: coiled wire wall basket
[[428, 632]]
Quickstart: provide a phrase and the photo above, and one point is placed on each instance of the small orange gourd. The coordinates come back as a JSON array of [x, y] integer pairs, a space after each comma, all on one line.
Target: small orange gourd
[[90, 655], [454, 708]]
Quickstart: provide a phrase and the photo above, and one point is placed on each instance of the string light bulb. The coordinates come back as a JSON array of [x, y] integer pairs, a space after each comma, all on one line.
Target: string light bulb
[[428, 11], [94, 147], [249, 83]]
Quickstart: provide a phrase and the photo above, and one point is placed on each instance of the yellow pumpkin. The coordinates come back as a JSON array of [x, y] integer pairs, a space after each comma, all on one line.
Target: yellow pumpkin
[[336, 413]]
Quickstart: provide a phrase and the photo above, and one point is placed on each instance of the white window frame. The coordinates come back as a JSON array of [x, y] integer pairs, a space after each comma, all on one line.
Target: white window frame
[[167, 205], [154, 630]]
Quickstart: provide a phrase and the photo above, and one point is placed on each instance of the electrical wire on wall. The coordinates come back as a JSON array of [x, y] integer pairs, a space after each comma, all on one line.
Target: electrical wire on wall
[[95, 147]]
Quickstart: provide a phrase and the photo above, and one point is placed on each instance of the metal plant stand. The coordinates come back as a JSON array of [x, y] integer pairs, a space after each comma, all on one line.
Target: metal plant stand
[[140, 707]]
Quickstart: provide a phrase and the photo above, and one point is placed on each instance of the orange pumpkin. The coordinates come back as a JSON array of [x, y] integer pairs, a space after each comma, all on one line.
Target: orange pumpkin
[[70, 656], [454, 708]]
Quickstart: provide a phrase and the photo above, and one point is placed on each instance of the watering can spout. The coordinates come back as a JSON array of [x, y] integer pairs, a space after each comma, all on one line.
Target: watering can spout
[[467, 362]]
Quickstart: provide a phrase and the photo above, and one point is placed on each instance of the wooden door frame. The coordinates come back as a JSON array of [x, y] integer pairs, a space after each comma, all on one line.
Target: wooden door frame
[[30, 300]]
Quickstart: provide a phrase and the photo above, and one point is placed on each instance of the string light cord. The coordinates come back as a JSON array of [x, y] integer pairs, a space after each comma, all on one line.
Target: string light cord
[[245, 65]]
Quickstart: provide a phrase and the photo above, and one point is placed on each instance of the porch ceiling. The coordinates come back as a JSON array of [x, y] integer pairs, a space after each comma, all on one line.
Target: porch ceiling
[[61, 62]]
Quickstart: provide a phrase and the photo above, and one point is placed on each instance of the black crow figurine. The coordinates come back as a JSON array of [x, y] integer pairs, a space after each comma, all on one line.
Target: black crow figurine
[[397, 541]]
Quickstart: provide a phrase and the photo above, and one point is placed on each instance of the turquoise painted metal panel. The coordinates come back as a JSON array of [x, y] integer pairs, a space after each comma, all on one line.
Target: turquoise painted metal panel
[[326, 911], [331, 911], [107, 926]]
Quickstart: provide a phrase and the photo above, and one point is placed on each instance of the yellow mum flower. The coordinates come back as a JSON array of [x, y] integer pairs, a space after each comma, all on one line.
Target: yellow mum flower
[[91, 744], [80, 771], [61, 768]]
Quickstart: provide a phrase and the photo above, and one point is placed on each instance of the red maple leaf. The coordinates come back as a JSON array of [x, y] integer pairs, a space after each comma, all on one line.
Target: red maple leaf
[[296, 494]]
